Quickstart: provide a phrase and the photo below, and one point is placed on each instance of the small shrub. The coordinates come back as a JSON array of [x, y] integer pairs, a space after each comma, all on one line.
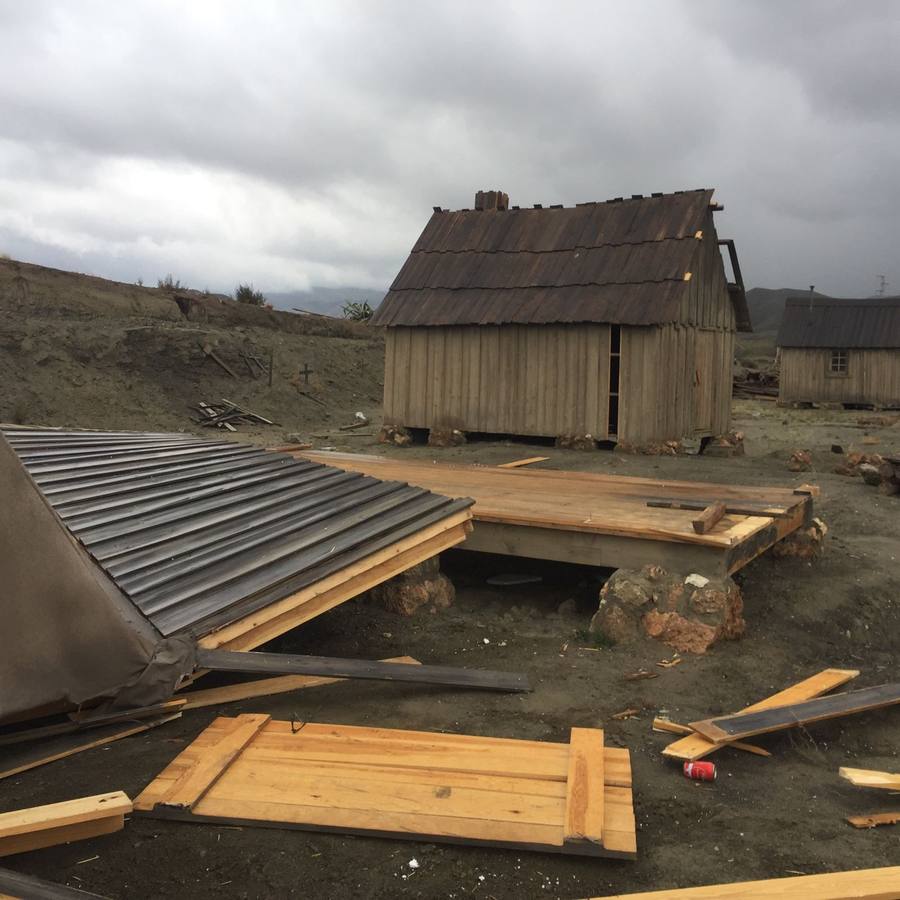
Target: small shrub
[[357, 311], [244, 293], [169, 284]]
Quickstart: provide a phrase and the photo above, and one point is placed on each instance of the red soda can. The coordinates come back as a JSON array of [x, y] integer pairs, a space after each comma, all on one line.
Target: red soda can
[[700, 771]]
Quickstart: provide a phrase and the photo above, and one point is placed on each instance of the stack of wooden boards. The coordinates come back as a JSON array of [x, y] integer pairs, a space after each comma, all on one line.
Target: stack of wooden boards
[[530, 795], [602, 520]]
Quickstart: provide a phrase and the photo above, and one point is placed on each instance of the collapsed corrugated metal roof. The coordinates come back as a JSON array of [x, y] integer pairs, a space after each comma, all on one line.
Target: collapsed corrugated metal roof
[[866, 323], [621, 261], [200, 533]]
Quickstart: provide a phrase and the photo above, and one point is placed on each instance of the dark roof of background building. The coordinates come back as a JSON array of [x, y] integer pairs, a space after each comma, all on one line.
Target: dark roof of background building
[[200, 533], [622, 262], [872, 322]]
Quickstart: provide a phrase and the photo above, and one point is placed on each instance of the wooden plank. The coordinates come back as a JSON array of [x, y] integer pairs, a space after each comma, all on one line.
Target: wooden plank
[[696, 746], [886, 781], [516, 463], [864, 884], [195, 782], [85, 721], [747, 724], [266, 687], [271, 663], [710, 517], [55, 823], [59, 748], [585, 787], [675, 728], [874, 820]]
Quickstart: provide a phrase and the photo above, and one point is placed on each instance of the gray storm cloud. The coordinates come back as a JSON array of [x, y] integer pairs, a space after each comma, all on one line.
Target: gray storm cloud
[[296, 144]]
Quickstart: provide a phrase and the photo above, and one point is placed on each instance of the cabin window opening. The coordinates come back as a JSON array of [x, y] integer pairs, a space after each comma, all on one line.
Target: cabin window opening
[[615, 345], [839, 362]]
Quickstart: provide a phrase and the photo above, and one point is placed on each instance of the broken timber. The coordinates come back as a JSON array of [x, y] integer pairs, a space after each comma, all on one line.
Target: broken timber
[[747, 724], [58, 823], [885, 781], [864, 884], [528, 795], [601, 520], [696, 746], [286, 664]]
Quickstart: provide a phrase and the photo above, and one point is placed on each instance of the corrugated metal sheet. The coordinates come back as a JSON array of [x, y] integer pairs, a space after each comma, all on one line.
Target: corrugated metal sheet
[[199, 533], [619, 262], [870, 323]]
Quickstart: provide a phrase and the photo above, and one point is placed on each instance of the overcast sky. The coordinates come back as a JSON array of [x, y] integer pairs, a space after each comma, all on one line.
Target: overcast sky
[[294, 144]]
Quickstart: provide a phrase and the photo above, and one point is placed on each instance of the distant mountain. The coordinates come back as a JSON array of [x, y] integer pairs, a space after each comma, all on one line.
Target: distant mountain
[[325, 300], [767, 305]]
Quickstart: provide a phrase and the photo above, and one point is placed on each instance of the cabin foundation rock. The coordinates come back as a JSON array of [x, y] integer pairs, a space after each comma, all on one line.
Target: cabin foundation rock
[[394, 434], [445, 437], [421, 586], [805, 543], [575, 442], [730, 444], [689, 614]]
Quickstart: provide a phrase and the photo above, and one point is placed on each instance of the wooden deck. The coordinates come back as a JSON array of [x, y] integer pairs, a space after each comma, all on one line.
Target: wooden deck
[[600, 520]]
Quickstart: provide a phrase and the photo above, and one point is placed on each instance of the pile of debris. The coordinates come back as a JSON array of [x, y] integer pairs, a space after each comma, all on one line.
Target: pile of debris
[[226, 414], [749, 383]]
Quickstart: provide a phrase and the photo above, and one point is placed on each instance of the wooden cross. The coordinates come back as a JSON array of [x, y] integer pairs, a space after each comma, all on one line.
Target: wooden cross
[[306, 371]]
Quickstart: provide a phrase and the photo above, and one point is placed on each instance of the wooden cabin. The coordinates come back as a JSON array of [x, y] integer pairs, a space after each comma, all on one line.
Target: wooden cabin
[[840, 351], [612, 319]]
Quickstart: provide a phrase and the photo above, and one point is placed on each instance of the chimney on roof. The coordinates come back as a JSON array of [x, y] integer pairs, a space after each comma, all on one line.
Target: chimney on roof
[[487, 200]]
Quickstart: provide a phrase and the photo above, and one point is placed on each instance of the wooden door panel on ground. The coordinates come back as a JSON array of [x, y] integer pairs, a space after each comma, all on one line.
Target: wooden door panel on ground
[[570, 798]]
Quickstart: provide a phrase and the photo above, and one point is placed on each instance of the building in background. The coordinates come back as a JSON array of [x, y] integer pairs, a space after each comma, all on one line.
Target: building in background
[[613, 319], [840, 351]]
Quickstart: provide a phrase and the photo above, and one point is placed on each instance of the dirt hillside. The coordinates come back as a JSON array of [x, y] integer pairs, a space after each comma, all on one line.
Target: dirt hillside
[[81, 351]]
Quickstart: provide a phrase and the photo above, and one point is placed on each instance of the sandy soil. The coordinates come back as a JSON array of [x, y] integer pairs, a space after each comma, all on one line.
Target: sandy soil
[[761, 818]]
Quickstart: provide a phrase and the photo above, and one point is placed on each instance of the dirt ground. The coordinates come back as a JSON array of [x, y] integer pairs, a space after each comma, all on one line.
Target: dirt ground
[[79, 352], [762, 817]]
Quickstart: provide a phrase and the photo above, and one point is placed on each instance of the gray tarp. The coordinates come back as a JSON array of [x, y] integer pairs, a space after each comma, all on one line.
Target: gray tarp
[[67, 633]]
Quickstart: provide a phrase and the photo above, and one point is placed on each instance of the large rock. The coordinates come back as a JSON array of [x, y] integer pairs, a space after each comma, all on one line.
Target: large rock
[[422, 585], [804, 543], [689, 614]]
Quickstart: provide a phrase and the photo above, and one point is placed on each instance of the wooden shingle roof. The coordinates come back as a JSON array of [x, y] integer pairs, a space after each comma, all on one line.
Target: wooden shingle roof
[[865, 323], [621, 262]]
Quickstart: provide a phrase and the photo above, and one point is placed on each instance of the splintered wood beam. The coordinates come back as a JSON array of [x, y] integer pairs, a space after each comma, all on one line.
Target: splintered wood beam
[[58, 823], [518, 463], [862, 884], [885, 781], [708, 518], [741, 725], [288, 664], [695, 746], [874, 820]]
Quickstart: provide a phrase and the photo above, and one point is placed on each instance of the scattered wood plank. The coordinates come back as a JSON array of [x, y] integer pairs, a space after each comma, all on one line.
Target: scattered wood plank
[[695, 746], [83, 721], [289, 664], [731, 509], [208, 350], [741, 725], [709, 518], [886, 781], [863, 884], [874, 820], [266, 687], [58, 823], [517, 463], [47, 751], [310, 397], [675, 728], [407, 784], [354, 426]]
